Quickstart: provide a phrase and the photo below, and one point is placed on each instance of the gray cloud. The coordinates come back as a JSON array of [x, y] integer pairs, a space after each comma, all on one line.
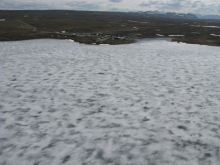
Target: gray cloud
[[115, 1], [211, 8], [150, 4], [84, 5], [77, 5], [192, 6], [173, 4], [4, 4]]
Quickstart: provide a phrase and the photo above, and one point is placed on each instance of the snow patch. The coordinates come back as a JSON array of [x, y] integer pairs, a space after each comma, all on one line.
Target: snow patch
[[133, 21], [215, 35], [159, 35], [211, 26], [176, 35]]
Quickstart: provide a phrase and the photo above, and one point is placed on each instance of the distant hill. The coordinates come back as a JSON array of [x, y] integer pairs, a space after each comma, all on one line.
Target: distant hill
[[167, 15], [179, 15], [208, 16], [157, 13]]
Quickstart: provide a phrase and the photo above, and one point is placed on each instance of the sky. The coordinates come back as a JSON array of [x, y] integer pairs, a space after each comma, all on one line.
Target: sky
[[204, 7]]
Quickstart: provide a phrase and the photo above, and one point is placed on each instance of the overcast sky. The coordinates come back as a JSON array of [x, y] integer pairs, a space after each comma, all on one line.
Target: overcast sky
[[181, 6]]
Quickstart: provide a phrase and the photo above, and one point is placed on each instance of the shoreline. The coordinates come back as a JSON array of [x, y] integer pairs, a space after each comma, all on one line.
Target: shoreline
[[135, 40]]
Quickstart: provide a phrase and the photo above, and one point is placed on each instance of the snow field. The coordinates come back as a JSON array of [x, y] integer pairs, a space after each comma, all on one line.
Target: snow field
[[148, 103]]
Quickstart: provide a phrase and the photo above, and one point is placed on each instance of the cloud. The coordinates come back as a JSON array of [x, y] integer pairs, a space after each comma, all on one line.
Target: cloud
[[173, 4], [47, 4], [13, 5], [149, 4], [182, 6], [115, 1], [83, 5]]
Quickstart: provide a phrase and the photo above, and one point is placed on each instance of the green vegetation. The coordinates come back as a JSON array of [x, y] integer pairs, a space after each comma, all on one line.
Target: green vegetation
[[103, 27]]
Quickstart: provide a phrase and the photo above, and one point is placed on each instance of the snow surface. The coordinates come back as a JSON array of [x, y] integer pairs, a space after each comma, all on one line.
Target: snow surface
[[148, 103]]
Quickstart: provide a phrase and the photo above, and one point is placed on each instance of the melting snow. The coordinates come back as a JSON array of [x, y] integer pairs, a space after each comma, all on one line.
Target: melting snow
[[195, 25], [176, 35], [215, 35], [212, 26], [70, 40], [145, 103], [103, 44], [132, 21], [159, 35], [206, 26]]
